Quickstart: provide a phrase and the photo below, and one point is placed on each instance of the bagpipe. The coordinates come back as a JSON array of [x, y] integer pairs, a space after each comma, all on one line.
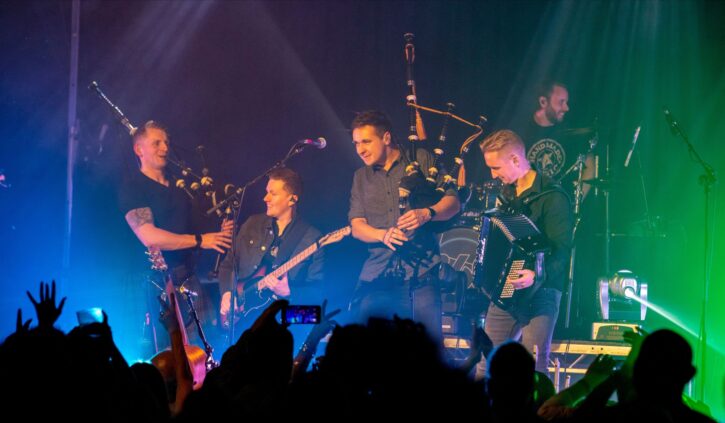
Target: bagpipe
[[421, 188], [194, 183]]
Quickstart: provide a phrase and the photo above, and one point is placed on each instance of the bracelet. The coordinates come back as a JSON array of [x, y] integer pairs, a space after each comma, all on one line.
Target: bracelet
[[198, 240]]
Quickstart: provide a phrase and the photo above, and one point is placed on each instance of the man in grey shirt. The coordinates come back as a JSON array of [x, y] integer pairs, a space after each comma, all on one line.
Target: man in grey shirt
[[400, 274]]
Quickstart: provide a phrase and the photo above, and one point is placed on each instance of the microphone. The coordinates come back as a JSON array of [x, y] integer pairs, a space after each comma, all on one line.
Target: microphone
[[634, 143], [674, 127], [319, 143]]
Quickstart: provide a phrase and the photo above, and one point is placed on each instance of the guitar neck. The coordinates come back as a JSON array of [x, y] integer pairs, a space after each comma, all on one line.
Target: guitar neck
[[294, 261], [177, 310], [159, 264]]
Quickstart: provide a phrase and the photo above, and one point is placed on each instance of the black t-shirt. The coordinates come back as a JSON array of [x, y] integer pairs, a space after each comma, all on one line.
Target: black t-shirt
[[171, 208], [553, 150]]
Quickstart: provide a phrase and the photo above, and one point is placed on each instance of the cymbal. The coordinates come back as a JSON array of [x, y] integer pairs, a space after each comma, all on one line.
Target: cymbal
[[598, 182], [578, 131]]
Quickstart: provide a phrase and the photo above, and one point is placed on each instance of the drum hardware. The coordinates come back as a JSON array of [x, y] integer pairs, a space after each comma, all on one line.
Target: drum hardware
[[578, 166], [598, 182], [483, 197], [588, 130]]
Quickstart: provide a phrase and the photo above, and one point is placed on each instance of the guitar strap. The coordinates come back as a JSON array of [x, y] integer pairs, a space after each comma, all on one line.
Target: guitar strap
[[291, 240]]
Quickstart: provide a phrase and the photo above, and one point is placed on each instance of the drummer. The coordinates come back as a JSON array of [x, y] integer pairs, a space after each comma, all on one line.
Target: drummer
[[550, 148]]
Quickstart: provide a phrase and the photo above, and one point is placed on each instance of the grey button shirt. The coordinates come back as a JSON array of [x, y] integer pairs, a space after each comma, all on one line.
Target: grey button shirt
[[374, 196]]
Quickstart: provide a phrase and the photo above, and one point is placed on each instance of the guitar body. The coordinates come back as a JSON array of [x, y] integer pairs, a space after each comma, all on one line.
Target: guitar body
[[164, 361], [252, 299]]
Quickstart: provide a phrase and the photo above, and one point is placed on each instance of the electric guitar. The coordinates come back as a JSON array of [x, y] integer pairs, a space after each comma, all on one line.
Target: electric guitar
[[254, 294]]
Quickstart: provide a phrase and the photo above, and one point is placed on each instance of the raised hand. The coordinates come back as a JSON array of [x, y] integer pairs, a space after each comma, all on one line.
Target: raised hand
[[267, 317], [600, 369], [21, 327], [325, 326], [45, 308], [101, 337], [633, 338], [319, 331]]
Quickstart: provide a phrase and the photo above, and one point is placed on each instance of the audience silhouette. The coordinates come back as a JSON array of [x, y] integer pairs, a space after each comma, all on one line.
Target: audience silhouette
[[385, 367]]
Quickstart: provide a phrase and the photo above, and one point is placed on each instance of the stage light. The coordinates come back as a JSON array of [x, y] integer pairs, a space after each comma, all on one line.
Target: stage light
[[622, 297]]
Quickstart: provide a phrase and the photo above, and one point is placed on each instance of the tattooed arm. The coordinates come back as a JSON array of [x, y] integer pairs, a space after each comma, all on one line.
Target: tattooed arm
[[141, 221]]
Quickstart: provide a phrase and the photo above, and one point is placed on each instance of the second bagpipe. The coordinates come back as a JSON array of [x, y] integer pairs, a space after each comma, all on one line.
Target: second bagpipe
[[424, 187]]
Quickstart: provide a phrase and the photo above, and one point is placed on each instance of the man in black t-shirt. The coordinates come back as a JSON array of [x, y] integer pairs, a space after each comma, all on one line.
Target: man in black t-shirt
[[161, 215], [550, 148]]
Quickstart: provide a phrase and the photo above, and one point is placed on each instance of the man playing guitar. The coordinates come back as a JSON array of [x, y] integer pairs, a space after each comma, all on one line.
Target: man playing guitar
[[264, 242]]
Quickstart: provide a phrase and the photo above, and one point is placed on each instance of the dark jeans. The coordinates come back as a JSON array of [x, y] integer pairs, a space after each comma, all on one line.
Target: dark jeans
[[387, 297], [534, 327]]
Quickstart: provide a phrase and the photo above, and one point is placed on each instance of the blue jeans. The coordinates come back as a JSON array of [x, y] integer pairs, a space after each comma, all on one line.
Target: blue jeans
[[384, 298], [534, 327]]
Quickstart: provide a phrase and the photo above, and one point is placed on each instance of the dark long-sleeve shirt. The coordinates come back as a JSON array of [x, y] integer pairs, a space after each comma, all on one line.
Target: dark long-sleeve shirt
[[548, 206], [253, 242]]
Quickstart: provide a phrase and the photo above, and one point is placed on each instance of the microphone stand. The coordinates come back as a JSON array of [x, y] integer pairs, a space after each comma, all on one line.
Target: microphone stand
[[236, 199], [707, 179], [209, 363]]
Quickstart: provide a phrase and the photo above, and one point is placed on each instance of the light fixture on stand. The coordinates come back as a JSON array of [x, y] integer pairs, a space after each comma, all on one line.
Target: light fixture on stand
[[622, 305]]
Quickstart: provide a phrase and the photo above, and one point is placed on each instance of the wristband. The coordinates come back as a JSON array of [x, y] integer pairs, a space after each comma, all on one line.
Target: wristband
[[432, 213], [198, 240]]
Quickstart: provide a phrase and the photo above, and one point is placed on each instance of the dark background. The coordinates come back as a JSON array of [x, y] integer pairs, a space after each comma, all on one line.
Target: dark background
[[248, 79]]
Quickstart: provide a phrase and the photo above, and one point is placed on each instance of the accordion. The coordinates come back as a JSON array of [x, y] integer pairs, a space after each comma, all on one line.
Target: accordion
[[508, 243]]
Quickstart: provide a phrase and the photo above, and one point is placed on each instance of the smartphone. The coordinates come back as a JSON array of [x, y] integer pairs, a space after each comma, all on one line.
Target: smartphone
[[301, 314], [89, 315]]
